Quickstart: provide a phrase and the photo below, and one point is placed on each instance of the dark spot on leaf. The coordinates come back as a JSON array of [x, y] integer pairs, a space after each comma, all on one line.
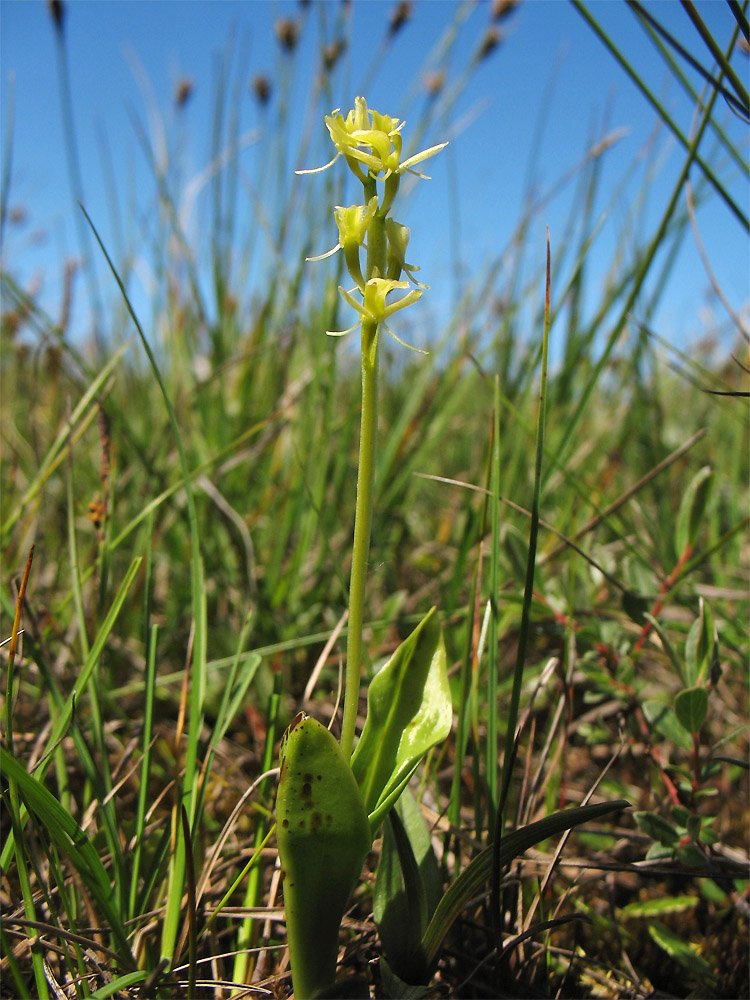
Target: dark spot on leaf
[[298, 718]]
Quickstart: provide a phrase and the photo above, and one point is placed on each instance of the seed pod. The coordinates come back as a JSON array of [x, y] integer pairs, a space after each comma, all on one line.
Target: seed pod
[[323, 836]]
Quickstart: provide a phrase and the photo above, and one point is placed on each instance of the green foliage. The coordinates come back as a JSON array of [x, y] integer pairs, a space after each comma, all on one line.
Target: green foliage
[[479, 871], [328, 811], [659, 907], [408, 712], [73, 844], [323, 836], [692, 510], [684, 954], [166, 648], [690, 707], [408, 888]]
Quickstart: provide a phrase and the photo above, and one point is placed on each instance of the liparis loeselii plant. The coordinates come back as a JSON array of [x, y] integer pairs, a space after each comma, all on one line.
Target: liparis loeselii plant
[[332, 801]]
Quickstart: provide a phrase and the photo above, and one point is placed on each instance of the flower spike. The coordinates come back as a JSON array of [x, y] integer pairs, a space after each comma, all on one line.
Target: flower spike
[[367, 138], [372, 145]]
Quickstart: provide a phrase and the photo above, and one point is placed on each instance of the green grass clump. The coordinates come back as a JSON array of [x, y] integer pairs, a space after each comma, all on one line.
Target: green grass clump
[[191, 542]]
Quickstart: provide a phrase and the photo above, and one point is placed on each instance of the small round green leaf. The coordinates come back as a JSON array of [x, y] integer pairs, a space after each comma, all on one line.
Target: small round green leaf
[[657, 828], [690, 707]]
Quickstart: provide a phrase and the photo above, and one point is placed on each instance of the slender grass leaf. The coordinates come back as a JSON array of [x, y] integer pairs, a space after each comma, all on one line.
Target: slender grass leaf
[[198, 664], [73, 844], [94, 654], [65, 438], [681, 952], [119, 983], [692, 510], [66, 713], [658, 907], [473, 878], [736, 761], [719, 56]]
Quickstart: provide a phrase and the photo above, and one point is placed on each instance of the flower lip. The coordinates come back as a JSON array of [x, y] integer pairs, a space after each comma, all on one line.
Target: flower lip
[[374, 308], [373, 139], [368, 137]]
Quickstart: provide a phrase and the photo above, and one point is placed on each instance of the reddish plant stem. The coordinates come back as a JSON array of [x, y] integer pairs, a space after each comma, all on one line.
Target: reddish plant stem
[[659, 603]]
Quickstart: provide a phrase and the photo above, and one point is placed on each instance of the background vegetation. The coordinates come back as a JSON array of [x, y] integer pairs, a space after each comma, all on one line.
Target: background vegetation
[[170, 634]]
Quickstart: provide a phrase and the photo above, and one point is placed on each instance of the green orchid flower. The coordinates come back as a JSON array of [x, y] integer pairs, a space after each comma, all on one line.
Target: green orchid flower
[[367, 137], [352, 223], [373, 308], [325, 824], [376, 144], [398, 240]]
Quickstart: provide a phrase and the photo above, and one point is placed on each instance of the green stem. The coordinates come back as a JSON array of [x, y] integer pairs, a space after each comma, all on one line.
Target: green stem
[[376, 266], [362, 523]]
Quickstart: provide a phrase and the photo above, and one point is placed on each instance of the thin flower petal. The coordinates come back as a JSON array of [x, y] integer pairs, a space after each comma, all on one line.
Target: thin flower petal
[[328, 253], [350, 300], [403, 343], [418, 157], [342, 333], [413, 296], [318, 170]]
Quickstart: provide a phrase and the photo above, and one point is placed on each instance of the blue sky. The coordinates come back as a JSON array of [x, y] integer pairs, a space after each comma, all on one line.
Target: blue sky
[[127, 57]]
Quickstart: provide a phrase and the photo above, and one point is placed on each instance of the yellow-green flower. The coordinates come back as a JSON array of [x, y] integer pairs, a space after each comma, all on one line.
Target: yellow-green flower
[[352, 223], [398, 240], [366, 137], [374, 309]]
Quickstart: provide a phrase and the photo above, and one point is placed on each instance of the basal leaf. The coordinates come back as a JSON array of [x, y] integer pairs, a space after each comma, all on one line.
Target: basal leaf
[[395, 987], [323, 837], [407, 889], [408, 711]]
